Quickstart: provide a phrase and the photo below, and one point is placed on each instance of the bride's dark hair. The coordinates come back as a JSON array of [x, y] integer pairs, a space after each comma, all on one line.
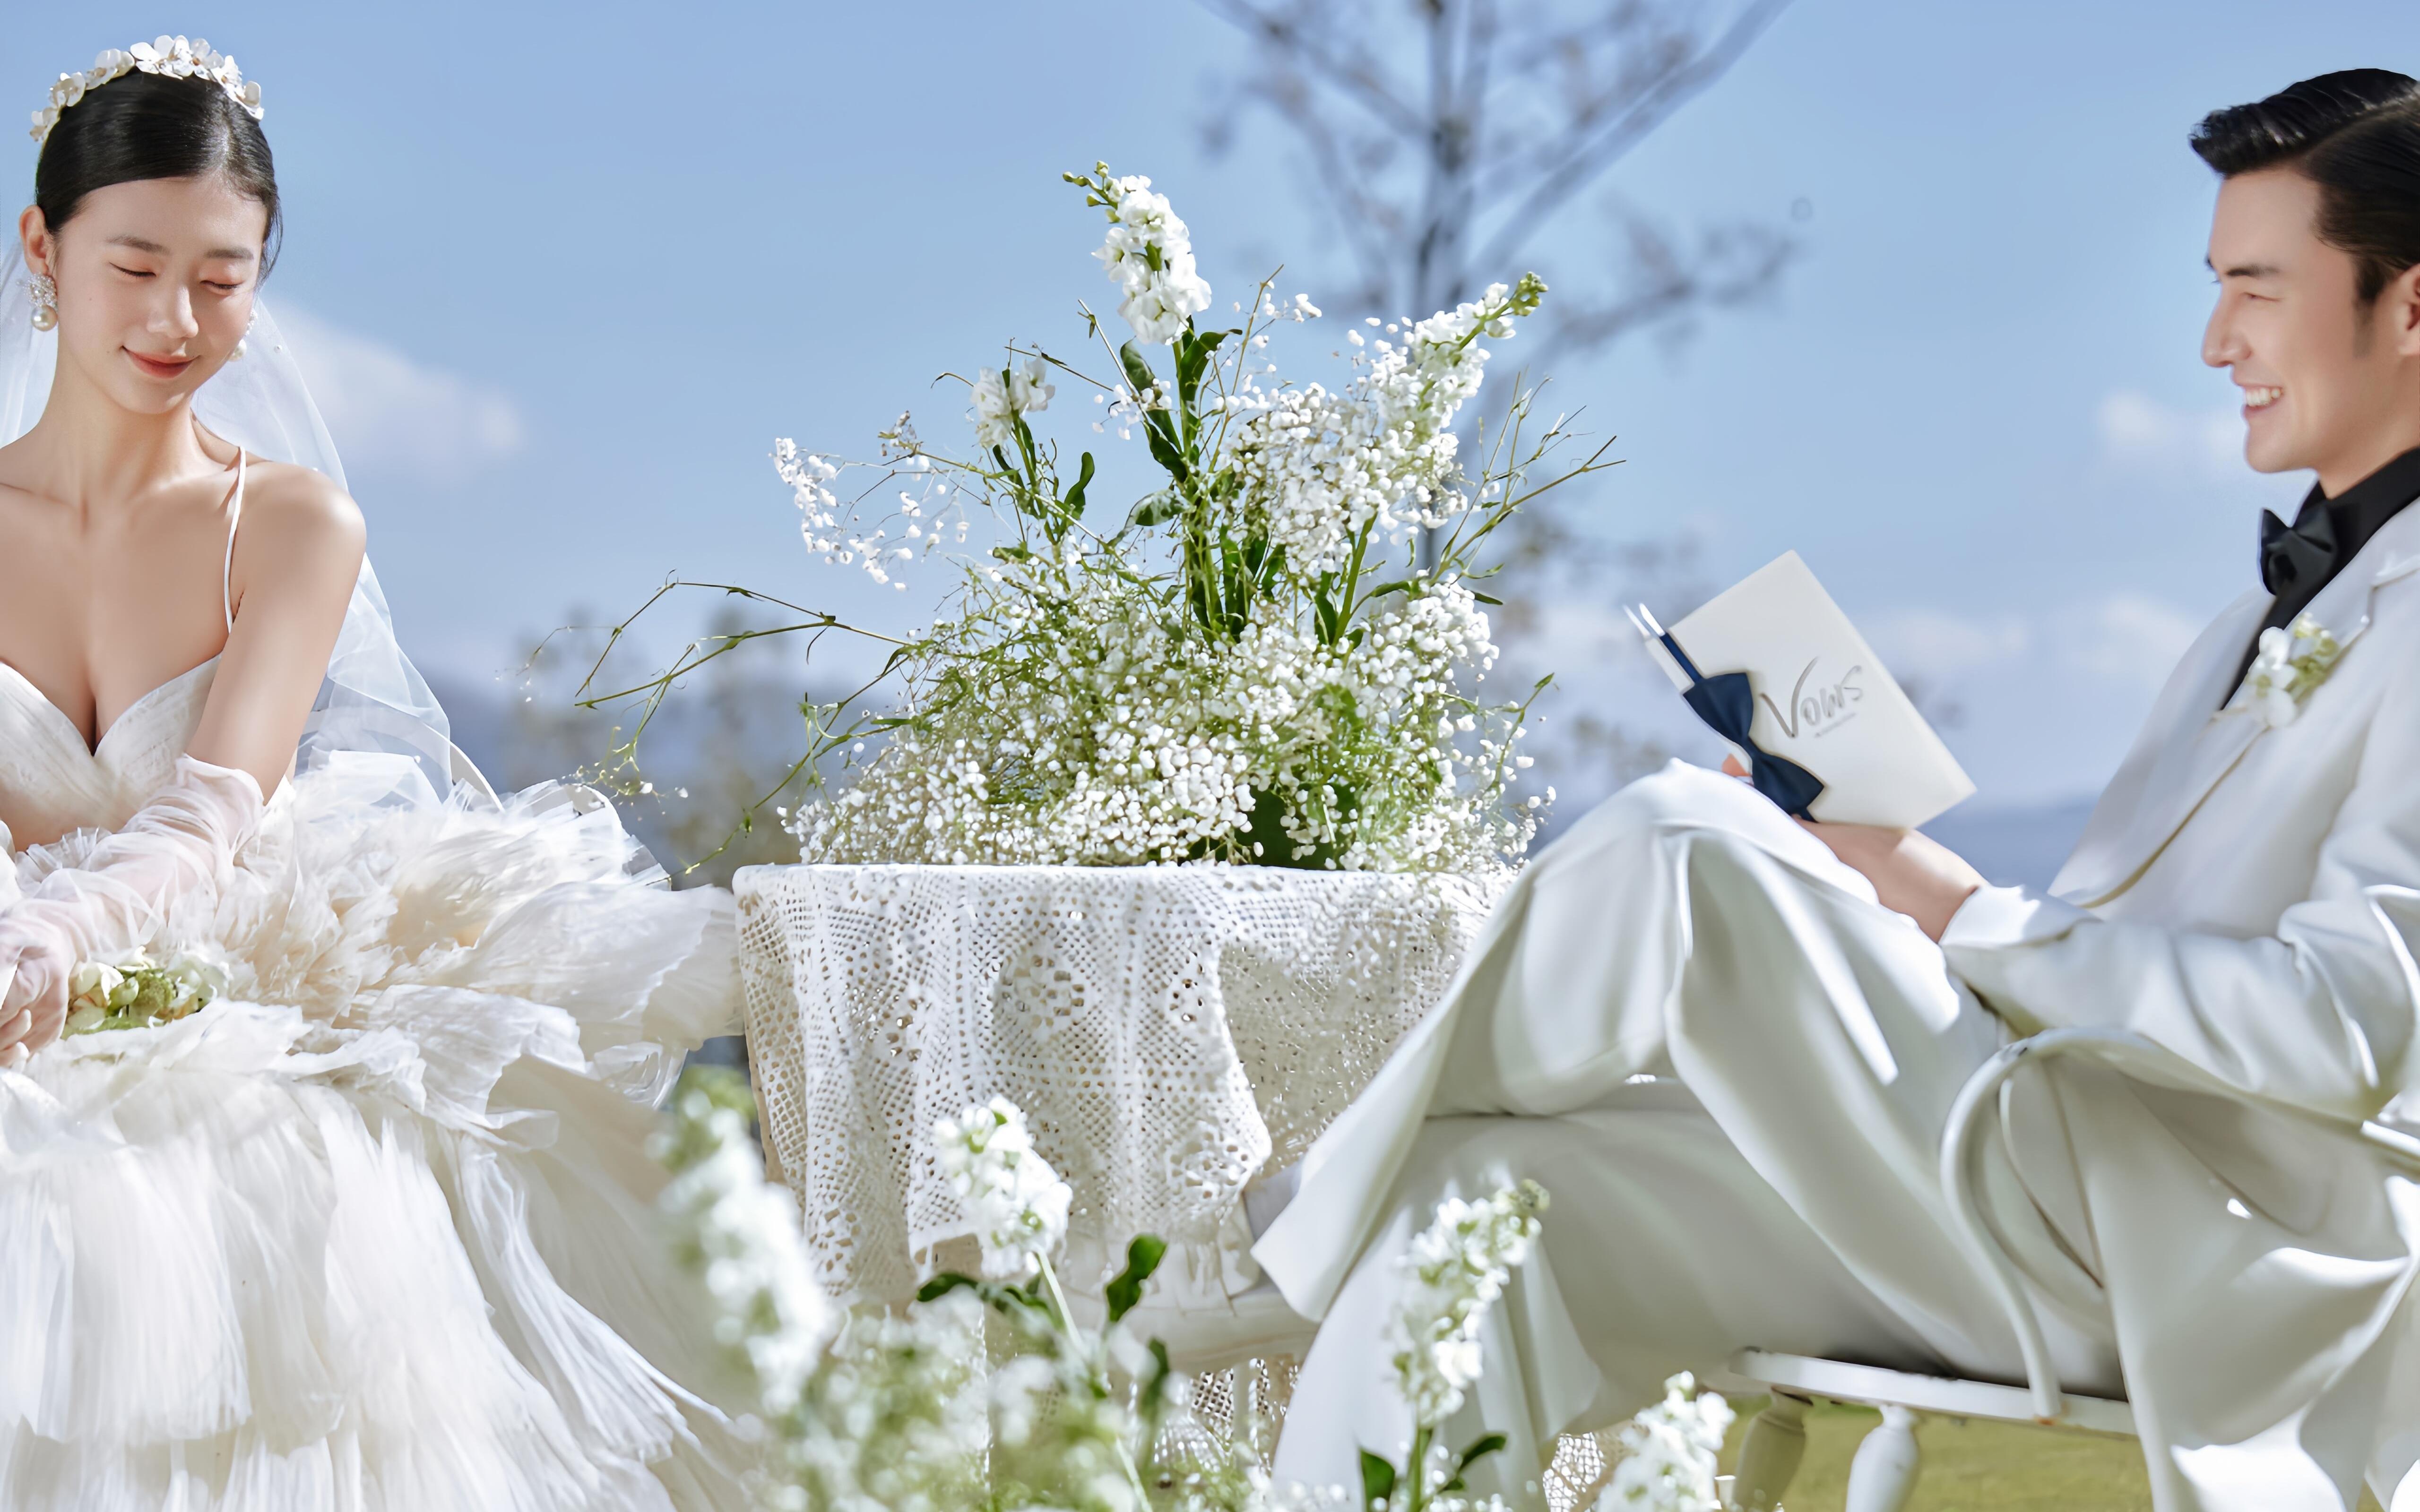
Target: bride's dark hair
[[149, 126]]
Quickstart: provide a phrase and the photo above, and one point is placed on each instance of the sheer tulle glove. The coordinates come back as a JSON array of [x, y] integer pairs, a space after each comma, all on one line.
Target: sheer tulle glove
[[181, 842]]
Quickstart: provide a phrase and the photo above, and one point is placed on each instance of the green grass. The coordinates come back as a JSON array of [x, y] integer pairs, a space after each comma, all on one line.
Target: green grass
[[1972, 1466]]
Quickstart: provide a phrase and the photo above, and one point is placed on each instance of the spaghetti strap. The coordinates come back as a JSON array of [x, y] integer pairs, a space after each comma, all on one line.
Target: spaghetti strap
[[235, 517]]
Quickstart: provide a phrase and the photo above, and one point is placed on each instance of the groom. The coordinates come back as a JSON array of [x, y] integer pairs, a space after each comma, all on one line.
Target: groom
[[2316, 244], [1734, 1070]]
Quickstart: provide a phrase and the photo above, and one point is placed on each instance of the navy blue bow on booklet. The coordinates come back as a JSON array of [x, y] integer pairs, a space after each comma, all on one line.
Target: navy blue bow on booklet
[[1728, 705]]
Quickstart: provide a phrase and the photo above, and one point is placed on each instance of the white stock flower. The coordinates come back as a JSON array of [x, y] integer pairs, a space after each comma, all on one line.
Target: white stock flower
[[1149, 251], [996, 403], [742, 1238], [994, 419], [1016, 1201], [1030, 389], [1668, 1454], [1455, 1269]]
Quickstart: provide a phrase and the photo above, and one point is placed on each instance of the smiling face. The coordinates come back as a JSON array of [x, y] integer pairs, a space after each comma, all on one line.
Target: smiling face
[[2327, 378], [156, 279]]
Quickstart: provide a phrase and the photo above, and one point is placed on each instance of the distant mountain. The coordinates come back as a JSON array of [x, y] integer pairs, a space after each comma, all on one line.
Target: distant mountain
[[2018, 845], [719, 740]]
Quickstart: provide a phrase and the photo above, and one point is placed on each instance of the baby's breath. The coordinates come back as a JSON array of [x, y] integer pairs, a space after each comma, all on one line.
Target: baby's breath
[[1249, 663]]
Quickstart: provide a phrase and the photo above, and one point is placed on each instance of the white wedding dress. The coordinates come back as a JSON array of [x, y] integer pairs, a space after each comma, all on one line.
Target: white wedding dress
[[372, 1231]]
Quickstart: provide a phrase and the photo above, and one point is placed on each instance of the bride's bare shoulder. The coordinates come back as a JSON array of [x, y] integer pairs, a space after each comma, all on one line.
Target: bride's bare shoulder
[[292, 515]]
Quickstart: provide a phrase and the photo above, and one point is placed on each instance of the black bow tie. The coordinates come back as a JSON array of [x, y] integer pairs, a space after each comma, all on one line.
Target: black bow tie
[[2302, 553]]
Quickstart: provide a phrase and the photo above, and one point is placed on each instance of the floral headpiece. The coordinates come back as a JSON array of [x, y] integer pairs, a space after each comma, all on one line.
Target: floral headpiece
[[171, 58]]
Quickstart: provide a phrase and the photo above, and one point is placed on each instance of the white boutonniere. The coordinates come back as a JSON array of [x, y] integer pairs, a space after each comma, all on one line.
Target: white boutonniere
[[2289, 664]]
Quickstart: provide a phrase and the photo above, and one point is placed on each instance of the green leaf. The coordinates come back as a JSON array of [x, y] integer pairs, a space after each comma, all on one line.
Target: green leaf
[[1013, 552], [942, 1285], [1484, 599], [1138, 373], [1157, 429], [1480, 1449], [1155, 1388], [1193, 351], [1142, 1258], [1073, 501], [1156, 508], [1377, 1479], [1165, 450]]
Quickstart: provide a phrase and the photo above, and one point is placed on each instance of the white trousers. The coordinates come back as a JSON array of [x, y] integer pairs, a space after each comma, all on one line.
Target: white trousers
[[1731, 1068]]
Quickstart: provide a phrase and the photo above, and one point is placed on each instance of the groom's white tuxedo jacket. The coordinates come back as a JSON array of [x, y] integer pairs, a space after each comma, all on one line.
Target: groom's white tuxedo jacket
[[2248, 895]]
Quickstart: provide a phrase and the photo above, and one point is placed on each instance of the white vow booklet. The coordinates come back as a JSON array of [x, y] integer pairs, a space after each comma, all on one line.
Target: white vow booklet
[[1822, 699]]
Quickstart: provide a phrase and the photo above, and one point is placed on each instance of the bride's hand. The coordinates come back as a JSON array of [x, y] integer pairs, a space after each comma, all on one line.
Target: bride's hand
[[1913, 874], [35, 1006]]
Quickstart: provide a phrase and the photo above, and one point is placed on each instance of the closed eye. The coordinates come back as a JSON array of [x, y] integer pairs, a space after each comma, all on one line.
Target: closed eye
[[134, 272]]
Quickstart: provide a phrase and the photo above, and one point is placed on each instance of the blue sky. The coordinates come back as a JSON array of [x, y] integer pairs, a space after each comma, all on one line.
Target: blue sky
[[571, 271]]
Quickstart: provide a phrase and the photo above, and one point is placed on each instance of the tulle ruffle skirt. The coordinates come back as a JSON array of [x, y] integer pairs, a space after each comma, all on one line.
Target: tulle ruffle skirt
[[374, 1231]]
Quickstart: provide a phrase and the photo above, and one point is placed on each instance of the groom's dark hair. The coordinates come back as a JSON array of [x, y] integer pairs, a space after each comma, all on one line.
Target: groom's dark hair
[[2356, 134], [144, 126]]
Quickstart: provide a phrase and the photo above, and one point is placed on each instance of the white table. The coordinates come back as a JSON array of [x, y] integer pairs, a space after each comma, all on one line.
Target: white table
[[1168, 1031]]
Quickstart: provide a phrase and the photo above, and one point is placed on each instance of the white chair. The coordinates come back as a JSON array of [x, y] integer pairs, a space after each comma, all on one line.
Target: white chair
[[1883, 1477], [466, 773]]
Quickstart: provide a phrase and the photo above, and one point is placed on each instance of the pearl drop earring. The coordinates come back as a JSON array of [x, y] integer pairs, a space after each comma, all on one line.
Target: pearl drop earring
[[46, 302], [242, 343]]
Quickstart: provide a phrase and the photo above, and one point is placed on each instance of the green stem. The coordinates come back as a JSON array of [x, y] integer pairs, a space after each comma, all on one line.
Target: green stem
[[1416, 1474], [1072, 1338]]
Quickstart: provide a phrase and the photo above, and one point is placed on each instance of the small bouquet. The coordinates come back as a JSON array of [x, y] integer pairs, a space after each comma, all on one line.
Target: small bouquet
[[136, 992]]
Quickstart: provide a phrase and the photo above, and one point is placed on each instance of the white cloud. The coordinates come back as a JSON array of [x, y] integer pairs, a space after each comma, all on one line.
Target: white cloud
[[2128, 639], [2138, 431], [1936, 646], [387, 411]]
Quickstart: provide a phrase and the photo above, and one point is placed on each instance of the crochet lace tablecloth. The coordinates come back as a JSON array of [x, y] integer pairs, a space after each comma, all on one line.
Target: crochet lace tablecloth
[[1168, 1031]]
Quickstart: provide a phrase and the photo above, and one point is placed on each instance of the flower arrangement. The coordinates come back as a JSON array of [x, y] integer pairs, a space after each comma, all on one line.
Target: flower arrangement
[[2287, 665], [134, 993], [1274, 654], [925, 1409]]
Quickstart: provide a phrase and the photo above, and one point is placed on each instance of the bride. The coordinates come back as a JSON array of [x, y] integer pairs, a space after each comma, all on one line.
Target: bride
[[1728, 1044], [370, 1229]]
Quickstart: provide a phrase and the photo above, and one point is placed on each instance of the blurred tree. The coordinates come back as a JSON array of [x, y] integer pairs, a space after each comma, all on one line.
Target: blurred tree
[[713, 754], [1445, 139], [1443, 149]]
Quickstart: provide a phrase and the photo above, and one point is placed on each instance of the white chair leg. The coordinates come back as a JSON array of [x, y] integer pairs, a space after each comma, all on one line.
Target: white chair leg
[[1769, 1455], [1883, 1476]]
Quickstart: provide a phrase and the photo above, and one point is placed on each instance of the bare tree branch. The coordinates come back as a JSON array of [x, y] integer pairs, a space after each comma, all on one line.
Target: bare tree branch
[[1586, 159], [1445, 137], [1475, 122]]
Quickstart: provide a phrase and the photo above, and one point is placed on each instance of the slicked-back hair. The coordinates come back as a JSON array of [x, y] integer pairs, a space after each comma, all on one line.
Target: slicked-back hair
[[2355, 134], [151, 125]]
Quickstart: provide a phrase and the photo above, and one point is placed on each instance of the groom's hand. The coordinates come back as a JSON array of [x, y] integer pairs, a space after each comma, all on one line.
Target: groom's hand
[[1913, 874]]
